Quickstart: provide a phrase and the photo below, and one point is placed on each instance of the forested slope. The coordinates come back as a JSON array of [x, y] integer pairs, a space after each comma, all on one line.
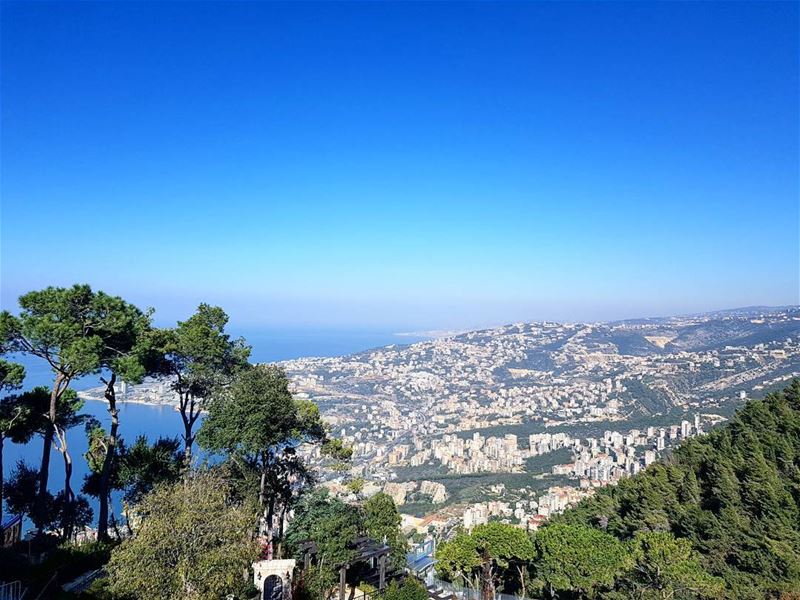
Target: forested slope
[[734, 494]]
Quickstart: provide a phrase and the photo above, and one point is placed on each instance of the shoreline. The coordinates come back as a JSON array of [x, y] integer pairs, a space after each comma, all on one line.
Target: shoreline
[[92, 398]]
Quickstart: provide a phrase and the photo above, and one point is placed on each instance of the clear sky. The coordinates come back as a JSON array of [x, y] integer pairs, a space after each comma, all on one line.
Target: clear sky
[[404, 165]]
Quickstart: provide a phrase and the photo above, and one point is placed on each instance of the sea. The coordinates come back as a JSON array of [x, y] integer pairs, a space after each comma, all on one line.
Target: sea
[[164, 421]]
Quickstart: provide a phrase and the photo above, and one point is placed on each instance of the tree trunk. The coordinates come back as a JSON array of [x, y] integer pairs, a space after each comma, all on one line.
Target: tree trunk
[[188, 440], [44, 468], [69, 495], [56, 392], [108, 460], [188, 407], [487, 591], [270, 515], [114, 524], [280, 530], [44, 473], [262, 488]]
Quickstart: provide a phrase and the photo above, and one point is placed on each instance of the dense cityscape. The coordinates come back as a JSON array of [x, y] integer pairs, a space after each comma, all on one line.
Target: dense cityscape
[[603, 400]]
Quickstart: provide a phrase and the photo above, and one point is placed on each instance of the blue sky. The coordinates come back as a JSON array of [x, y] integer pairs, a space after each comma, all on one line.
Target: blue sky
[[403, 166]]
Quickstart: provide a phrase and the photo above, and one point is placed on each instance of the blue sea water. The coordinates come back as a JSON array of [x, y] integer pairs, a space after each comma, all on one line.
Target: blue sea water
[[164, 421]]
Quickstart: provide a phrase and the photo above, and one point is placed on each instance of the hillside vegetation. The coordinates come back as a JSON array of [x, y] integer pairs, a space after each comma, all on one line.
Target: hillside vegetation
[[734, 494]]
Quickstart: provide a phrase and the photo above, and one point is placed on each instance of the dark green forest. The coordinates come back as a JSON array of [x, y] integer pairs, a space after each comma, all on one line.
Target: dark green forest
[[720, 518], [734, 494]]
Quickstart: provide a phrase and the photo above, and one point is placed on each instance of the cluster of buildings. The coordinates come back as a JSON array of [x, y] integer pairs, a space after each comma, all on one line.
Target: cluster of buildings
[[527, 510], [597, 462], [478, 454], [150, 391], [420, 406], [615, 456], [412, 412]]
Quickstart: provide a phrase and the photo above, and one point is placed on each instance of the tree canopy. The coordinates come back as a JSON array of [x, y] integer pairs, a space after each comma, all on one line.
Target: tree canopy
[[576, 558], [200, 357], [193, 543], [256, 414], [382, 522], [733, 495], [483, 556], [330, 523], [77, 331]]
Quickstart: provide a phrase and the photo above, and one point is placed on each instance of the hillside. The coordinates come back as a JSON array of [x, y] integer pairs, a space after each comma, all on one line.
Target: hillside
[[581, 379], [734, 494]]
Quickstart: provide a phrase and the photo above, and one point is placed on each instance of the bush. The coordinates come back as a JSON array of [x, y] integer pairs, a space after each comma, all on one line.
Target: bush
[[410, 589]]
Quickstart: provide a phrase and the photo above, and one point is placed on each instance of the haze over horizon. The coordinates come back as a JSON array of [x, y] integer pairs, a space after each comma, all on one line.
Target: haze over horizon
[[403, 167]]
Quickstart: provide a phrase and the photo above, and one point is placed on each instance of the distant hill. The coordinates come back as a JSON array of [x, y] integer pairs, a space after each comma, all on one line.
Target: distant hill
[[734, 493], [744, 311]]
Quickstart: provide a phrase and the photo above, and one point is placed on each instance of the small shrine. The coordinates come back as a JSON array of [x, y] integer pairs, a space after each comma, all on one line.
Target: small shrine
[[273, 578]]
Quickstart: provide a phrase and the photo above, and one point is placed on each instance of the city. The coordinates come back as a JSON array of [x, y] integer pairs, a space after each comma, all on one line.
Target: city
[[604, 400]]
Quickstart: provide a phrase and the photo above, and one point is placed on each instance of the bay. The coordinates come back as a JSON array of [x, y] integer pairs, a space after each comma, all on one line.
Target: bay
[[269, 345]]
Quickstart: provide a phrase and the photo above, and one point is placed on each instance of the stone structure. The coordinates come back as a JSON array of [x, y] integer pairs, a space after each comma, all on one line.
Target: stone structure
[[273, 578]]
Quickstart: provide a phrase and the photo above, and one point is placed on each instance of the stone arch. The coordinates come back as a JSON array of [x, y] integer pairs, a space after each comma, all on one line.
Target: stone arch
[[273, 578]]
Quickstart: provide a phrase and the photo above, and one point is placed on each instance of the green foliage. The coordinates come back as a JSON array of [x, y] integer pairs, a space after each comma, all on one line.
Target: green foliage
[[11, 375], [36, 402], [410, 589], [130, 350], [23, 491], [252, 415], [330, 524], [21, 496], [193, 543], [577, 558], [143, 466], [131, 353], [243, 477], [76, 330], [96, 437], [200, 353], [668, 567], [46, 511], [485, 556], [137, 469], [733, 494], [18, 423], [309, 421], [317, 583], [382, 522], [69, 560], [502, 542], [57, 324], [98, 590], [201, 358], [337, 450], [255, 421], [355, 485], [457, 559]]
